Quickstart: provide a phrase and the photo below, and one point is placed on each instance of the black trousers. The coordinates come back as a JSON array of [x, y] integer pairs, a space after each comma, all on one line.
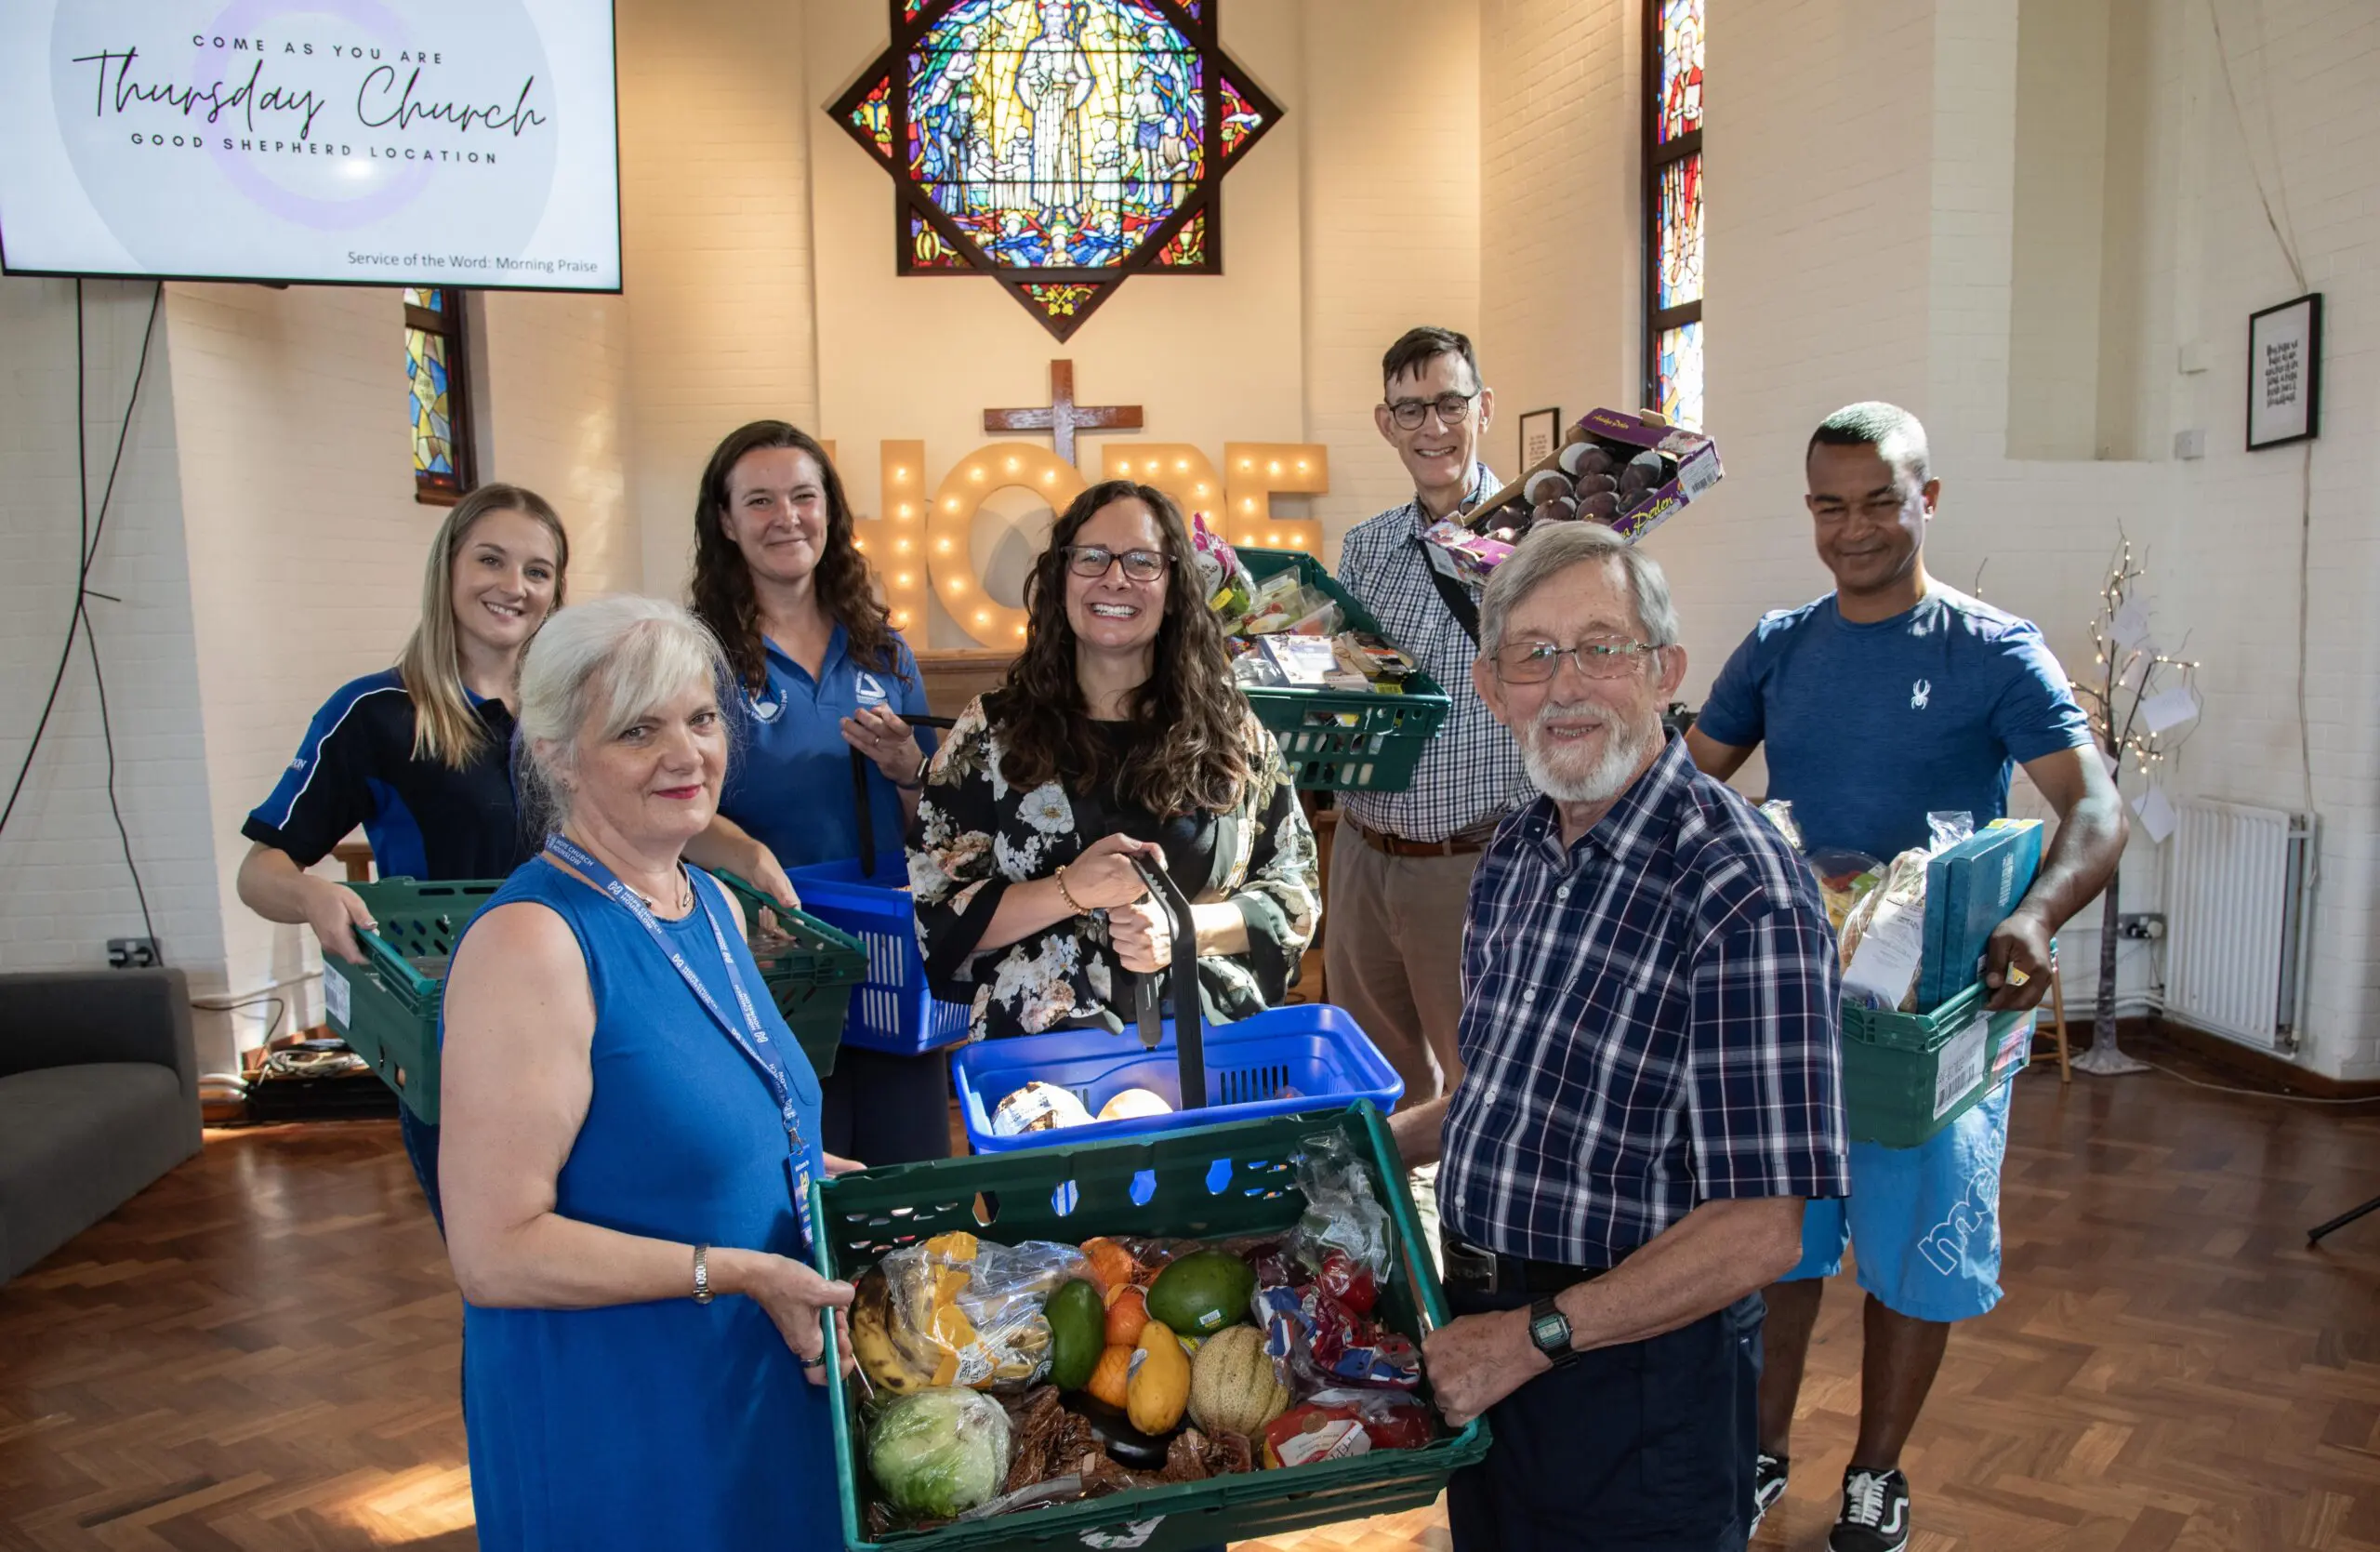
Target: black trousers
[[885, 1110], [1629, 1448]]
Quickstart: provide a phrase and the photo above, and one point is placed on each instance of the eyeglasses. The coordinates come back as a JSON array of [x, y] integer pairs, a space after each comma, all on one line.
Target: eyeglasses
[[1093, 560], [1537, 662], [1451, 407]]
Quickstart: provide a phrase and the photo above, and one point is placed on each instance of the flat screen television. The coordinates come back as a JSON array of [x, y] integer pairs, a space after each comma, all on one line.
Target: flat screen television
[[381, 142]]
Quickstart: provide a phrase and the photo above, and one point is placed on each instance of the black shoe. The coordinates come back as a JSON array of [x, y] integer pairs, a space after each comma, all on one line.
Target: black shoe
[[1875, 1513], [1767, 1485]]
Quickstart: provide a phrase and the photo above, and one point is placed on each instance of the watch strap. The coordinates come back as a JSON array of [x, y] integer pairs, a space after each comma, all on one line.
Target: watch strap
[[702, 1275]]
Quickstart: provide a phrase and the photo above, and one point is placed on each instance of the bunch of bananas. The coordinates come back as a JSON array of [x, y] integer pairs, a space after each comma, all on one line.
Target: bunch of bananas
[[897, 1358], [921, 1317]]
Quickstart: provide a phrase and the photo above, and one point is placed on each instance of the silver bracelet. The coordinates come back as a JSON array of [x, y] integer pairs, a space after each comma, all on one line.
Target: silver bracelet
[[702, 1275]]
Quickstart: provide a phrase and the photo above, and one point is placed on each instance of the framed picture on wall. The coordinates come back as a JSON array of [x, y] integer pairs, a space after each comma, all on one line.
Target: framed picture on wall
[[2284, 373], [1540, 433]]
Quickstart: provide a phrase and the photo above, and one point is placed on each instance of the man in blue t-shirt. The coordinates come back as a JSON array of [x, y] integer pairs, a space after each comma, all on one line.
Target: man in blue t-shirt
[[1892, 697]]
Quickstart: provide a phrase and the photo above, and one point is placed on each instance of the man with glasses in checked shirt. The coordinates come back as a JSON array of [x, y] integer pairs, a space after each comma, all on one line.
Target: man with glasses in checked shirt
[[1652, 1088], [1402, 862]]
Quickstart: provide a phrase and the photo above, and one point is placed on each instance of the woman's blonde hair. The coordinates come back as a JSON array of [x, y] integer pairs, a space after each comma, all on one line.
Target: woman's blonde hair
[[603, 665], [445, 726]]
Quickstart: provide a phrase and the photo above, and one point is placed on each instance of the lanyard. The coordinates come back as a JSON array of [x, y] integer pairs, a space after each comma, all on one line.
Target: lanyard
[[750, 1039]]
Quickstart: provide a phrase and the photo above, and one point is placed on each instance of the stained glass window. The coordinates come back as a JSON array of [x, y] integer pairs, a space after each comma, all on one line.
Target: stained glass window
[[434, 393], [1188, 249], [1679, 225], [1680, 109], [1674, 210], [1059, 144]]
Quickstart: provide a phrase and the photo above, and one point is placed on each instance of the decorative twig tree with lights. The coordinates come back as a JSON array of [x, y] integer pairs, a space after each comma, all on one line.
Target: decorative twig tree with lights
[[2127, 675]]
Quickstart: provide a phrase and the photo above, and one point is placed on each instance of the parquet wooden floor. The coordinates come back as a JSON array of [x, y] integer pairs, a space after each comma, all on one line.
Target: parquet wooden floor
[[258, 1354]]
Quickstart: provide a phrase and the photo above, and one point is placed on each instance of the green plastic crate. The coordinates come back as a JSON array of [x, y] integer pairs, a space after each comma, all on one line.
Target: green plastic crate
[[1210, 1182], [388, 1010], [812, 978], [1908, 1075], [1345, 739]]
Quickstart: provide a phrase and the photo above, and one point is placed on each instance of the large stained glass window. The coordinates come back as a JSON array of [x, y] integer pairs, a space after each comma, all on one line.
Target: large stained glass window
[[1058, 145], [434, 394], [1674, 208]]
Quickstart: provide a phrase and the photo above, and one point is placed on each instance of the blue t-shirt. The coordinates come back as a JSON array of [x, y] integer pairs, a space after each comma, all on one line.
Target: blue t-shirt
[[1870, 727], [789, 779]]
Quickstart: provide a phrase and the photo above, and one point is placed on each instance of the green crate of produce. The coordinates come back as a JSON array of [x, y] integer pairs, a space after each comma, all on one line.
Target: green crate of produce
[[1908, 1075], [386, 1011], [1208, 1183], [811, 972], [1345, 739]]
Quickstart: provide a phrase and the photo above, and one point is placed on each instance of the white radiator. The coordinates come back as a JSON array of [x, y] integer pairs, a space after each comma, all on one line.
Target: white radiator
[[2239, 911]]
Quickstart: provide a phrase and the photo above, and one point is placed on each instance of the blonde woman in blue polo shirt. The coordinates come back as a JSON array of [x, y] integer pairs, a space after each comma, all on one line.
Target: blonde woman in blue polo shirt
[[821, 672]]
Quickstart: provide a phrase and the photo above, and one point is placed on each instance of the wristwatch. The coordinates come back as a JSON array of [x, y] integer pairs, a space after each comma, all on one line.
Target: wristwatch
[[701, 1276], [1549, 1328]]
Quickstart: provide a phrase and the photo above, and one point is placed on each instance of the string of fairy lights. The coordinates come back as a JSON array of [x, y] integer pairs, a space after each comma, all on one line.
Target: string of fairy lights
[[2144, 749]]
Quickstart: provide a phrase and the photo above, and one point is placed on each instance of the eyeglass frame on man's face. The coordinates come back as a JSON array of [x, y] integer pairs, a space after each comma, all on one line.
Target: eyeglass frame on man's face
[[1155, 561], [1420, 410], [1599, 661]]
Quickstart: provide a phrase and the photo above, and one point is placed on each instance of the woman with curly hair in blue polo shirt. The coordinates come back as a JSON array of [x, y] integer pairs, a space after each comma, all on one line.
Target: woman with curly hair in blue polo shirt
[[821, 672]]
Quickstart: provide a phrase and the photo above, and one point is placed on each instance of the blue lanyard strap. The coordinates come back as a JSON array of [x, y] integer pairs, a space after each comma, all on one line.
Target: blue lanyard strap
[[750, 1039]]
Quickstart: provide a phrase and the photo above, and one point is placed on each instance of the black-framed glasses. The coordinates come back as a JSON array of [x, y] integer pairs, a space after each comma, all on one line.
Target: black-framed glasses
[[1537, 662], [1093, 560], [1409, 413]]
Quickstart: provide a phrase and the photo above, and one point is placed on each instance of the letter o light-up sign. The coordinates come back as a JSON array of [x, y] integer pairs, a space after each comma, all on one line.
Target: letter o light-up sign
[[950, 524]]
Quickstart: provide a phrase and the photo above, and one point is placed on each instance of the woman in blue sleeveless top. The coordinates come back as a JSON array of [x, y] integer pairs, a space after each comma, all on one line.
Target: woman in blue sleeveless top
[[630, 1131]]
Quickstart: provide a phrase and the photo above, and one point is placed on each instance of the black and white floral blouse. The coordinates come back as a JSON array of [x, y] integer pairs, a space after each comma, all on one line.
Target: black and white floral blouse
[[975, 835]]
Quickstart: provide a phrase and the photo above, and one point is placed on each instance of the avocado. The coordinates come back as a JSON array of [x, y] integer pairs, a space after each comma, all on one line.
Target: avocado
[[1202, 1293], [1077, 1319]]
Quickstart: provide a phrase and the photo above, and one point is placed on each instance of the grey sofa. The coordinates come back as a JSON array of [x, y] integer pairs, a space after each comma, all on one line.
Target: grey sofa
[[98, 1096]]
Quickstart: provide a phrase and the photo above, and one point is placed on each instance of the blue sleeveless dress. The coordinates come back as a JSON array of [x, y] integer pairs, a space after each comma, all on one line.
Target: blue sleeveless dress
[[669, 1423]]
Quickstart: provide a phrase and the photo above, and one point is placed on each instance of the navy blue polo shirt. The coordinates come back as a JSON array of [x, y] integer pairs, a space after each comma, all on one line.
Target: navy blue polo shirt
[[789, 779], [425, 819], [1870, 725]]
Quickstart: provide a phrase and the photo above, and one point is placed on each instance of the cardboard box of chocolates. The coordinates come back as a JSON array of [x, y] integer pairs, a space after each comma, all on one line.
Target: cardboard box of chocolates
[[1626, 470]]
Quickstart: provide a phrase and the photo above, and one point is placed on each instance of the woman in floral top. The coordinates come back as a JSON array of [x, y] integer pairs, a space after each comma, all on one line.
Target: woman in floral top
[[1119, 734]]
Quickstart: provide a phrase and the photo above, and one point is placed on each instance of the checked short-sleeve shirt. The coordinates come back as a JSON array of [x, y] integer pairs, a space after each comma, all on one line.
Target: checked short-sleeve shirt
[[1649, 1023]]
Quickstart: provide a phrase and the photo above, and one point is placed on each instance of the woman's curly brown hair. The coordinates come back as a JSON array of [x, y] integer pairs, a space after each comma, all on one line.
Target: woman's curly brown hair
[[1189, 751], [723, 598]]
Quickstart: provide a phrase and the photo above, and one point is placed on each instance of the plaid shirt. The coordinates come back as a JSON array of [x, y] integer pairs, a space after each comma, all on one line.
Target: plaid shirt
[[1649, 1023], [1470, 773]]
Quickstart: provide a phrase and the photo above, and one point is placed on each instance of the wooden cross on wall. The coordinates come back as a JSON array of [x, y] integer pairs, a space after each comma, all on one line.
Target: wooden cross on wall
[[1063, 416]]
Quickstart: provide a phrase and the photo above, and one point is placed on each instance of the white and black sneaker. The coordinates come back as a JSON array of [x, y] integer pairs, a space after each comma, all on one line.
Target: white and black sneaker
[[1767, 1485], [1875, 1513]]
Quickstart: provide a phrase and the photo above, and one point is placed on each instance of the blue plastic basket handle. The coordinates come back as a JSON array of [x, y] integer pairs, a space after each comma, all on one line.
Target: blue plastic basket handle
[[864, 810], [1189, 1033]]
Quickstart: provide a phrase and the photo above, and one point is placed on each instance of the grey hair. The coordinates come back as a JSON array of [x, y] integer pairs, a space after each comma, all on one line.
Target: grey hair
[[605, 664], [1897, 437], [1554, 548]]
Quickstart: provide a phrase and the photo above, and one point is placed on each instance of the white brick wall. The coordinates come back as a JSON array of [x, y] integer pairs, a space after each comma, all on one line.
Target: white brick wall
[[63, 886], [715, 128], [1391, 169]]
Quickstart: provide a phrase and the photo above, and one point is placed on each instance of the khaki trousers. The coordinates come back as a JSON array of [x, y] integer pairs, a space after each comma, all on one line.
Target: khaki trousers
[[1392, 956]]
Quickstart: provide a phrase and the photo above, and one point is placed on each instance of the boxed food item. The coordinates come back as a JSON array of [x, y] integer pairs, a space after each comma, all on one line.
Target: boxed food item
[[1628, 471]]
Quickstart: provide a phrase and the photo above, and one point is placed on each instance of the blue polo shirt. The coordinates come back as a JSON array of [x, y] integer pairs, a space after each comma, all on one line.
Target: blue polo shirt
[[1871, 726], [425, 819], [789, 779]]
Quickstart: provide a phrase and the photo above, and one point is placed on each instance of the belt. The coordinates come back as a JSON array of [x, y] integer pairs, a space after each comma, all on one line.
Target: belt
[[1476, 1270], [1397, 845]]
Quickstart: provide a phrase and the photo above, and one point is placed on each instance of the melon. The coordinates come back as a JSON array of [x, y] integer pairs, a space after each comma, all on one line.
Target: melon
[[1234, 1387]]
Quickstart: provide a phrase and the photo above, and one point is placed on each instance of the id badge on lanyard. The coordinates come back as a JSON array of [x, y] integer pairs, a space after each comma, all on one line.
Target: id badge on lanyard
[[750, 1038]]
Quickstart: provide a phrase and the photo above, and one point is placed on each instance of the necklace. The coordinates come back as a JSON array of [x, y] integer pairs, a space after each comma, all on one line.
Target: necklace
[[685, 893]]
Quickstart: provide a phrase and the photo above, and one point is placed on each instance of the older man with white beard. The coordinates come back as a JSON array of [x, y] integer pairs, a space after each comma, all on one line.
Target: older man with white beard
[[1651, 1088]]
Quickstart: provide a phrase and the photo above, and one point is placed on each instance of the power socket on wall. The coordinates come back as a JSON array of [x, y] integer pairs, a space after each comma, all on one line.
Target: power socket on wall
[[132, 953]]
